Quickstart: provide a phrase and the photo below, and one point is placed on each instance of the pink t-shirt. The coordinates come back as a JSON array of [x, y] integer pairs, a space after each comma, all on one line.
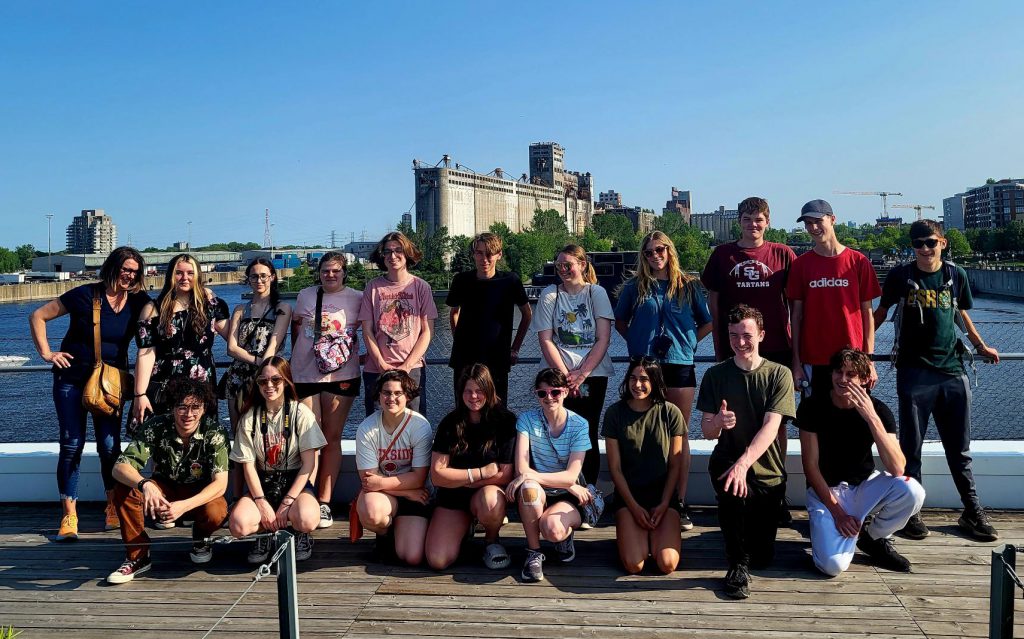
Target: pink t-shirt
[[397, 312], [340, 312], [832, 290]]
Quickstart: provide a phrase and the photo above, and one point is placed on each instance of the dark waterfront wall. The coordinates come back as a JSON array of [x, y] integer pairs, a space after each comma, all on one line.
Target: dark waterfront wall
[[996, 282]]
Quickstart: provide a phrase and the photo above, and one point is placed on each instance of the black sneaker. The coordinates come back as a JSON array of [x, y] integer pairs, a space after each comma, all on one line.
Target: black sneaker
[[533, 569], [737, 582], [785, 518], [565, 550], [882, 552], [202, 552], [685, 523], [975, 522], [915, 528]]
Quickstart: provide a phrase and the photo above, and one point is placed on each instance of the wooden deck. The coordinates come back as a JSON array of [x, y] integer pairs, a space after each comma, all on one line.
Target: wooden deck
[[50, 589]]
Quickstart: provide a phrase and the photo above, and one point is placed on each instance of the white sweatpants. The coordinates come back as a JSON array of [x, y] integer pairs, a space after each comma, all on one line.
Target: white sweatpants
[[892, 500]]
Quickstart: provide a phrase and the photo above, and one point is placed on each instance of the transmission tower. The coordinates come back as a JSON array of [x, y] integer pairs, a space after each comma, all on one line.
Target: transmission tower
[[334, 243], [267, 240]]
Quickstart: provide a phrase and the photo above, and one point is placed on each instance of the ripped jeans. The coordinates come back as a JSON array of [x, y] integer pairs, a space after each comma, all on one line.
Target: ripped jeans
[[71, 418]]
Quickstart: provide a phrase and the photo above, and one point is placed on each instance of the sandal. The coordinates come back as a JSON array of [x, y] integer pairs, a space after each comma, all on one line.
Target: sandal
[[496, 557]]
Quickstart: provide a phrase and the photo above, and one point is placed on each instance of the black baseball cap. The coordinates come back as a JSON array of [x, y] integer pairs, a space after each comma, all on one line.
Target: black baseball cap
[[815, 209]]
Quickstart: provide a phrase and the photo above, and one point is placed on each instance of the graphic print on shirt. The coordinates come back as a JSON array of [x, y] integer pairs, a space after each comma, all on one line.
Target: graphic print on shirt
[[275, 447], [751, 274], [942, 299], [576, 326], [396, 315], [389, 465]]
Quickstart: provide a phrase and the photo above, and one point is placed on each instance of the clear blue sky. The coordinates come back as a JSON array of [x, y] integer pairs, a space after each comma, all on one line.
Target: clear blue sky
[[161, 113]]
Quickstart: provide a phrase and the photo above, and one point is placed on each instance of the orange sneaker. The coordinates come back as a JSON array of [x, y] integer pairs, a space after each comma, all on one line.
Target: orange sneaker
[[68, 528], [110, 514]]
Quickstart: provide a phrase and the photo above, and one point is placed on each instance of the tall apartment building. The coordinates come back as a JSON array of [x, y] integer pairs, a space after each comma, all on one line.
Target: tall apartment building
[[680, 203], [92, 232], [467, 203], [716, 223], [993, 205], [609, 199], [953, 212]]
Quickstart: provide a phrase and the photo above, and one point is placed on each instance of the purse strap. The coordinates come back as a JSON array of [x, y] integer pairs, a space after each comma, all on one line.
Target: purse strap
[[318, 319], [96, 302], [394, 440]]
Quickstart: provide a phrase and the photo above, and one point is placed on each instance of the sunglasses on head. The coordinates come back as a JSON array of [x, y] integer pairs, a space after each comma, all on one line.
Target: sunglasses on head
[[657, 250], [931, 242], [554, 393]]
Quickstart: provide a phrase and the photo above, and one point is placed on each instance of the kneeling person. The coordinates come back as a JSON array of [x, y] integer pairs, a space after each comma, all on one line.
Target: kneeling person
[[836, 434], [189, 450], [276, 444]]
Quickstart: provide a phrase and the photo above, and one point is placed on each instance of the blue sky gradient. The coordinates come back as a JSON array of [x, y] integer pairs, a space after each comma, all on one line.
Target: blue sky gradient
[[212, 112]]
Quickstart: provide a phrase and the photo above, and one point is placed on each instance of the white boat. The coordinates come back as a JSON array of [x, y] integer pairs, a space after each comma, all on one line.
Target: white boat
[[12, 360]]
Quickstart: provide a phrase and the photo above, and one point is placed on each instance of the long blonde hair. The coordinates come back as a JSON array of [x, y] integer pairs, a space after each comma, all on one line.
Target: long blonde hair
[[576, 251], [680, 284], [197, 305]]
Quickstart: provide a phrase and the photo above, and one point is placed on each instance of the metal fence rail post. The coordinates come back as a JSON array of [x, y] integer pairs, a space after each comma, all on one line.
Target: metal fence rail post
[[287, 588], [1001, 593]]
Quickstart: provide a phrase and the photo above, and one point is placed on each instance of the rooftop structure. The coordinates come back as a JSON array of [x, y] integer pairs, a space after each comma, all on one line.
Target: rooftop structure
[[680, 203], [718, 223]]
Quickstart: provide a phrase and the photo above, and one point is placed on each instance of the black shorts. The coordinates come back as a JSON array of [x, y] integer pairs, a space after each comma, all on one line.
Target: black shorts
[[410, 508], [679, 375], [556, 495], [455, 498], [343, 388], [648, 496]]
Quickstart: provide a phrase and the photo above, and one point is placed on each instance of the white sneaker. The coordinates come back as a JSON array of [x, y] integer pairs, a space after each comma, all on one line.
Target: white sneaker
[[326, 520]]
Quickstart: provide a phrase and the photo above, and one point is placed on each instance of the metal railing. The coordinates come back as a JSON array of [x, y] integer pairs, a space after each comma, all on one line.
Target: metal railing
[[1005, 582]]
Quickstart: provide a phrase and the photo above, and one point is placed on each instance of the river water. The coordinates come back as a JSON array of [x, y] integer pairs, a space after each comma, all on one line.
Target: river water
[[1000, 321]]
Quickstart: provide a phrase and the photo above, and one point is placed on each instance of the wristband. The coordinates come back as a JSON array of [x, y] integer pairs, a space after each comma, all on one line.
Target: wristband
[[469, 475], [139, 394], [142, 482], [259, 498]]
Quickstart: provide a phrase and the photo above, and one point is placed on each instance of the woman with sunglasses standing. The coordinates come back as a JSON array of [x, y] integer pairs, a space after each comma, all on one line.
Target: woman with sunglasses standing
[[121, 297], [276, 443], [470, 466], [324, 329], [574, 325], [643, 436], [551, 443], [663, 314], [393, 457]]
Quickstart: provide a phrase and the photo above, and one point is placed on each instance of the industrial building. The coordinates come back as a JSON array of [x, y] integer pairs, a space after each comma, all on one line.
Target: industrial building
[[466, 202], [718, 223], [990, 206], [92, 232], [680, 203]]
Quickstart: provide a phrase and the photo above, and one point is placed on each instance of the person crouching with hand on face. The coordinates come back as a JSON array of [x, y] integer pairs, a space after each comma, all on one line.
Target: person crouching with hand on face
[[743, 401], [189, 451], [276, 444], [836, 434], [551, 442]]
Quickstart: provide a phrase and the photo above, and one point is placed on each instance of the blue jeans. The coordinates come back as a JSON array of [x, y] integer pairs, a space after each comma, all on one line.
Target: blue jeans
[[67, 399], [419, 404]]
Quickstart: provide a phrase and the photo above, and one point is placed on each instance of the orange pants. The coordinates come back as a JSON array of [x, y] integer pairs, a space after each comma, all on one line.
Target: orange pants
[[130, 510]]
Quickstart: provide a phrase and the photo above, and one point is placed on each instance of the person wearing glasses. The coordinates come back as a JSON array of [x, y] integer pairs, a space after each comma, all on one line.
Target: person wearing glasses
[[482, 305], [574, 326], [932, 298], [663, 314], [276, 444], [121, 296], [470, 465], [189, 452], [329, 385], [393, 458], [551, 443], [397, 315], [643, 436]]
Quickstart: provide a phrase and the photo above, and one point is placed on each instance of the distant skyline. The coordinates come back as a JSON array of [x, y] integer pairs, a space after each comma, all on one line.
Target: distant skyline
[[162, 114]]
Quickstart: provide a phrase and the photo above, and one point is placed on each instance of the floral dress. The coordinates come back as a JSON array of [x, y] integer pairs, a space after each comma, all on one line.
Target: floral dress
[[254, 335], [179, 350]]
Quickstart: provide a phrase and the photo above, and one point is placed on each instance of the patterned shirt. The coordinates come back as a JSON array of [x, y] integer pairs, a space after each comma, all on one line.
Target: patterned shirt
[[157, 438]]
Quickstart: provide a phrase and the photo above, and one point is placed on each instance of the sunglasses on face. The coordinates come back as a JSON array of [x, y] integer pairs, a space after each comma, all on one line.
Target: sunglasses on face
[[564, 266], [276, 380], [657, 250], [930, 242], [389, 252], [554, 393]]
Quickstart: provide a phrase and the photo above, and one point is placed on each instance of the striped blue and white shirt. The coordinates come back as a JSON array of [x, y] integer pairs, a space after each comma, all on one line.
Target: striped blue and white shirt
[[551, 454]]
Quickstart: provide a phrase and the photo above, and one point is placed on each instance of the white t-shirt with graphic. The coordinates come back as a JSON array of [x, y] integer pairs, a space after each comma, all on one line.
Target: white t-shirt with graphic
[[268, 450], [412, 450], [397, 312], [572, 320]]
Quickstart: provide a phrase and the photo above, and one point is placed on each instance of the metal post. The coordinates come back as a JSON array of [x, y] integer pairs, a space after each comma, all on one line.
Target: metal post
[[1001, 593], [49, 244], [287, 588]]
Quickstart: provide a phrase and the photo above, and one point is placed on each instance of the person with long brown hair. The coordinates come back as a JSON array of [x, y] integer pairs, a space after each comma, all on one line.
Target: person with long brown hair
[[122, 299], [276, 444], [574, 326], [662, 313], [470, 466], [176, 335]]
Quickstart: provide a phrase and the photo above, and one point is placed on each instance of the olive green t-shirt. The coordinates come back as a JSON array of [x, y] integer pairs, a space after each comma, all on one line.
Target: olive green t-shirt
[[750, 394], [644, 439]]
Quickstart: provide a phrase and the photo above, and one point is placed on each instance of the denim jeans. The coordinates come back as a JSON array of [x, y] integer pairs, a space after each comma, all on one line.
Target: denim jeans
[[67, 399]]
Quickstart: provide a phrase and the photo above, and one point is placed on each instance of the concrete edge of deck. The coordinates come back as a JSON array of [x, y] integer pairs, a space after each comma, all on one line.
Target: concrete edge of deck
[[27, 474]]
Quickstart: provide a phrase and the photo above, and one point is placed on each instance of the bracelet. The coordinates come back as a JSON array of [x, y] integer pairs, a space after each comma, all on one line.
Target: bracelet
[[259, 498], [142, 483], [469, 475], [139, 394], [255, 359]]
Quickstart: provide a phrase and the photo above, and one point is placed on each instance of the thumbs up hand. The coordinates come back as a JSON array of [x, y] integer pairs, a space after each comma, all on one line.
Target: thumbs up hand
[[726, 417]]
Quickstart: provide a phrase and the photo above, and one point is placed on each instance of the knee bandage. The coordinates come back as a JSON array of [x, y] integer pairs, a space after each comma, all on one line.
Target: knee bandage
[[530, 494]]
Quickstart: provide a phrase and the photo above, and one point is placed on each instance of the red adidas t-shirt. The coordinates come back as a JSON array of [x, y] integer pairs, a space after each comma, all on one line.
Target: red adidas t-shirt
[[832, 289]]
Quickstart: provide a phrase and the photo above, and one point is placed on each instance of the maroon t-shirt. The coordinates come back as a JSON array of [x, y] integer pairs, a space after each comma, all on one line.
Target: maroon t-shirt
[[756, 277]]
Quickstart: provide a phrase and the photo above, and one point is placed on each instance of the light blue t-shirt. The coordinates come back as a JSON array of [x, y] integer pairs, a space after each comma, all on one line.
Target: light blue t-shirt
[[644, 317], [551, 454]]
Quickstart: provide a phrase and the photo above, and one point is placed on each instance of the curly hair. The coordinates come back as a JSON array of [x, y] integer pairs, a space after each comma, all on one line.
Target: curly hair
[[409, 387], [858, 360], [181, 388]]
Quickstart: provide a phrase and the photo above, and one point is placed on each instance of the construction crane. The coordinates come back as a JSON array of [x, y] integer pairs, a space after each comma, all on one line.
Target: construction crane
[[916, 207], [882, 194]]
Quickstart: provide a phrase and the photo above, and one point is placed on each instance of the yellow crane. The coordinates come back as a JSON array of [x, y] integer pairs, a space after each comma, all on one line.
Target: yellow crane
[[881, 194], [916, 207]]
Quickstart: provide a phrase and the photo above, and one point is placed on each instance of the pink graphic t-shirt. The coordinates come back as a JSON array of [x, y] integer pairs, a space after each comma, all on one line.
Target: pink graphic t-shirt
[[397, 312]]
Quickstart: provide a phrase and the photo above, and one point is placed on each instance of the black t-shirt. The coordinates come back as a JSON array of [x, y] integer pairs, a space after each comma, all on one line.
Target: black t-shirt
[[486, 307], [499, 428], [116, 330], [844, 438]]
